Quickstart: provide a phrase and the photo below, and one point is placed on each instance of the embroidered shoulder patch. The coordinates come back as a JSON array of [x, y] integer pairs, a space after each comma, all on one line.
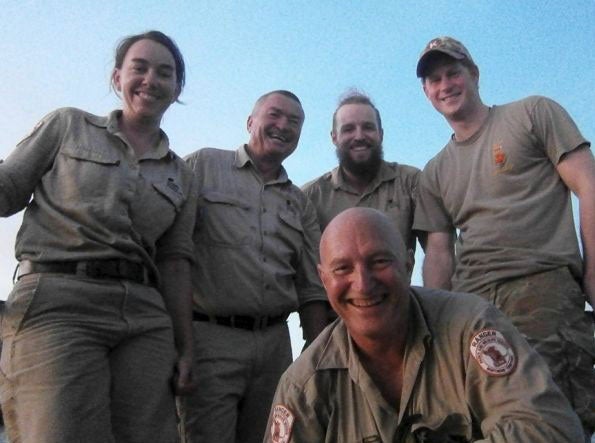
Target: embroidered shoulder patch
[[282, 424], [493, 352]]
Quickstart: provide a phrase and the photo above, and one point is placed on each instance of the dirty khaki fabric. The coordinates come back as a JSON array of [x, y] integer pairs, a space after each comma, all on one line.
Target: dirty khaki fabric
[[92, 198], [501, 190], [446, 396], [393, 191], [256, 242]]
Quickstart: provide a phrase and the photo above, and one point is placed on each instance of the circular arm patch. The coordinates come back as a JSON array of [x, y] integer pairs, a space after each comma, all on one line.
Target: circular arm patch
[[281, 425], [492, 352]]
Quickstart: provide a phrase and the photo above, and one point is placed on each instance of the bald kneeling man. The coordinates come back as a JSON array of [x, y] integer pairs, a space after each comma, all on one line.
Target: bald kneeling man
[[410, 364]]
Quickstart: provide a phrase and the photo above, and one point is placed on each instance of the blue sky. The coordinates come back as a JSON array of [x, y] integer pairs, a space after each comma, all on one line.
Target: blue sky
[[60, 53]]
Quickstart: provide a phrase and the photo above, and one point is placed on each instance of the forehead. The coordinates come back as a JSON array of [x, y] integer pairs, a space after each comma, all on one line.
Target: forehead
[[355, 113], [441, 63], [282, 103], [150, 51], [352, 241]]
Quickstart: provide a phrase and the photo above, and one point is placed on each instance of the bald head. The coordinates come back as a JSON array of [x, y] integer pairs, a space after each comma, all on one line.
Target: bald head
[[344, 227]]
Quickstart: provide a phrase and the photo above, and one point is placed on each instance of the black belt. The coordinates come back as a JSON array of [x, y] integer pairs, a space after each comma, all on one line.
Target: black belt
[[241, 321], [116, 269]]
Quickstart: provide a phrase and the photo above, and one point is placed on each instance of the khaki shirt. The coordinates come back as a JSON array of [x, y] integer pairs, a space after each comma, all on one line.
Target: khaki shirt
[[256, 242], [393, 191], [446, 393], [93, 198], [501, 191]]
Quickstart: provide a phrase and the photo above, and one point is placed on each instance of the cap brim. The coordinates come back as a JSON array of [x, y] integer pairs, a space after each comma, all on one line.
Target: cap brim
[[423, 60]]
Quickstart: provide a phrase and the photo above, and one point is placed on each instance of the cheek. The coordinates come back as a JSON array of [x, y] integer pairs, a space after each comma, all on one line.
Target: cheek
[[334, 289]]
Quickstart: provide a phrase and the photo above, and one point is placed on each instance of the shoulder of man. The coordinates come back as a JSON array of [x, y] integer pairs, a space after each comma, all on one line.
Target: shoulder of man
[[207, 154], [402, 169], [301, 371], [318, 183], [440, 305]]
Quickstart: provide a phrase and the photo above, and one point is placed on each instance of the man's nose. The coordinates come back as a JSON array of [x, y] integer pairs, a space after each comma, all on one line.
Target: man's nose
[[362, 280]]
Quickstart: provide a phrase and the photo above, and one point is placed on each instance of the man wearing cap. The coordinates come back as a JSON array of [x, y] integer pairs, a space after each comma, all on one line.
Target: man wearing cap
[[363, 178], [411, 365], [256, 248], [504, 182]]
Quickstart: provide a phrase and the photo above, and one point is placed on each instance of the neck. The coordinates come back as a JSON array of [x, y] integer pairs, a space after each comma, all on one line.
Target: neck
[[465, 127], [359, 182], [268, 168], [142, 135]]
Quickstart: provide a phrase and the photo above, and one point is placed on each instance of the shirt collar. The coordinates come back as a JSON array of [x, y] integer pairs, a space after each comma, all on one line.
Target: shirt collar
[[385, 173], [340, 351], [111, 124], [242, 158]]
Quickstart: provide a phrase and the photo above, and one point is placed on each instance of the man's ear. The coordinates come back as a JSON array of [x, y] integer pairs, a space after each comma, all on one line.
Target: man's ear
[[249, 123], [321, 274], [334, 137]]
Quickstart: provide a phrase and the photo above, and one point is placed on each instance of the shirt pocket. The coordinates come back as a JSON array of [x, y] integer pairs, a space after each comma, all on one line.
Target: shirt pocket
[[291, 230], [172, 192], [86, 173], [224, 220], [18, 303], [157, 209]]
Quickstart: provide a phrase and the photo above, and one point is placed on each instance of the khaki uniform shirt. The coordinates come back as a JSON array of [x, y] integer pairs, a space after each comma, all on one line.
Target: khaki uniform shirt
[[501, 190], [93, 198], [256, 242], [393, 191], [327, 396]]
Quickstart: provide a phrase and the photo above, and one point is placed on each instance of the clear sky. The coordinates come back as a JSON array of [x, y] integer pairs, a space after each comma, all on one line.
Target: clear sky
[[60, 53]]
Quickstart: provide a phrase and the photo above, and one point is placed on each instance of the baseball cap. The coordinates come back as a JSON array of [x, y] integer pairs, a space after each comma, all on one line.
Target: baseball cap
[[445, 45]]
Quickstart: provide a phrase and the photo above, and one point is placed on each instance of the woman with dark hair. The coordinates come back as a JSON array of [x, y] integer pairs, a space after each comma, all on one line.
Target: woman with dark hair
[[97, 330]]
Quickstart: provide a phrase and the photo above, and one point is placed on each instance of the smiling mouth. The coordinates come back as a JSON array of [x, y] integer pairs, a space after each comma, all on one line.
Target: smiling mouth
[[280, 137], [367, 302], [450, 97], [360, 147], [147, 96]]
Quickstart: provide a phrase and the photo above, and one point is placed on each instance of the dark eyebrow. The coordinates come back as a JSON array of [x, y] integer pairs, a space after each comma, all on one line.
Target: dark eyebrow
[[145, 62]]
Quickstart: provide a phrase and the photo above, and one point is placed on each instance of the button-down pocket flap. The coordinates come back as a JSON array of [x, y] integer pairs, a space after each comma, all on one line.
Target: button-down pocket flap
[[224, 199], [90, 154], [172, 192], [292, 220]]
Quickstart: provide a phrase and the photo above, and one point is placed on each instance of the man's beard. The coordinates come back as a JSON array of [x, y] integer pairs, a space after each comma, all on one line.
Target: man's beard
[[366, 170]]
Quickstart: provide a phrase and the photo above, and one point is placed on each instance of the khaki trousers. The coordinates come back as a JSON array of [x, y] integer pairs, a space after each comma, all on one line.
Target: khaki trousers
[[237, 372], [86, 360]]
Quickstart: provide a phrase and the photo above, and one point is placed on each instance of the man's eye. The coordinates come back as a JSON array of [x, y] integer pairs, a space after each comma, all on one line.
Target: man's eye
[[341, 270], [381, 262]]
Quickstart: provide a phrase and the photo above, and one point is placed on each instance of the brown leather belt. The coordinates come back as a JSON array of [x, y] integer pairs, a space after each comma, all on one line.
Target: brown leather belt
[[241, 321], [114, 269]]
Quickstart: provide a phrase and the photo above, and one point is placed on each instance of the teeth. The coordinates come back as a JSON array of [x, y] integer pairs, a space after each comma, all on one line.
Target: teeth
[[366, 302], [147, 96]]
